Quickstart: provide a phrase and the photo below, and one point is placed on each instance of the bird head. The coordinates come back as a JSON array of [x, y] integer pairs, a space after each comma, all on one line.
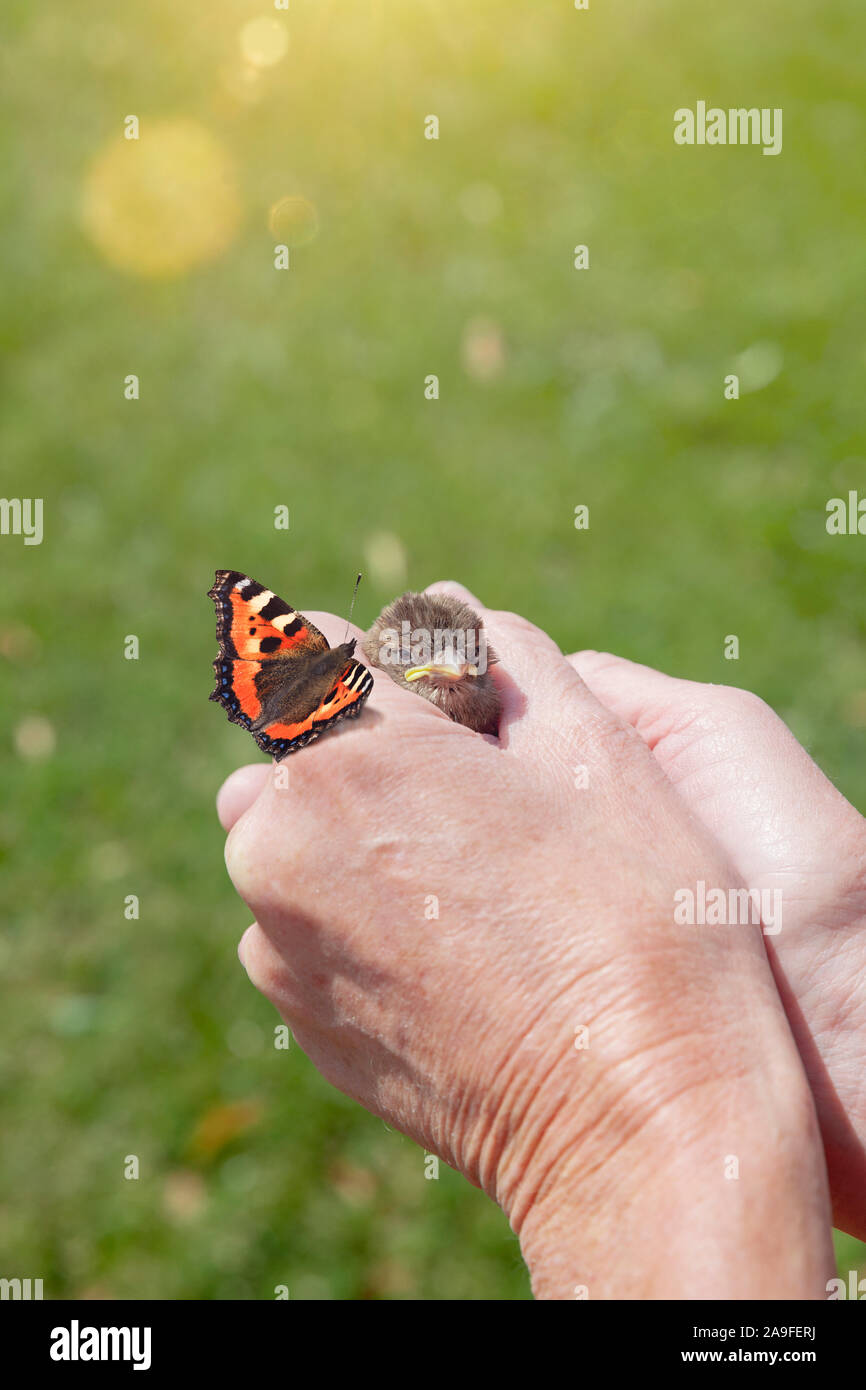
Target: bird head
[[435, 645]]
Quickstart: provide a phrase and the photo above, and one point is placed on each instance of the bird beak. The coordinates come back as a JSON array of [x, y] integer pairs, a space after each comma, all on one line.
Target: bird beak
[[451, 670]]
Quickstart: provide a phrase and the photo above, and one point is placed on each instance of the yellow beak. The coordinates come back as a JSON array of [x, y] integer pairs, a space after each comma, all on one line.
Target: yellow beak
[[450, 669]]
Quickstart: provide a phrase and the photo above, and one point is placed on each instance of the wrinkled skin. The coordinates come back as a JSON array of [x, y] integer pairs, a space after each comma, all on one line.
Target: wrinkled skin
[[555, 913], [736, 764]]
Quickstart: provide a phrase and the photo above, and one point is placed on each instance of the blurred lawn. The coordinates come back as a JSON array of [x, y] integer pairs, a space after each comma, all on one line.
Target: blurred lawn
[[305, 388]]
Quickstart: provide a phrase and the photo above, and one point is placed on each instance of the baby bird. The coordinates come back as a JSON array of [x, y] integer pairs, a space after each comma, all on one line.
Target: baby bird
[[435, 645]]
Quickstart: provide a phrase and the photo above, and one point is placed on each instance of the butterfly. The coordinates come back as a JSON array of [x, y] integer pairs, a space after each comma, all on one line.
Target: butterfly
[[276, 675]]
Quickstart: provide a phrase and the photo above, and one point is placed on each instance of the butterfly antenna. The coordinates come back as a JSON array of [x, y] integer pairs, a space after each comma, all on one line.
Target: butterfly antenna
[[352, 606]]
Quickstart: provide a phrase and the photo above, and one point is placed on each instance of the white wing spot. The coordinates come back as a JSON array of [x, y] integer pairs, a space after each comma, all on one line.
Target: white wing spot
[[283, 619], [258, 603]]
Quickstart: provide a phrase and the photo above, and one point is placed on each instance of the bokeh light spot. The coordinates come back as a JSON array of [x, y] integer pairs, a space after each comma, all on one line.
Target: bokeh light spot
[[184, 1195], [293, 221], [160, 205], [758, 365], [19, 643], [264, 42], [35, 738], [483, 350], [385, 558]]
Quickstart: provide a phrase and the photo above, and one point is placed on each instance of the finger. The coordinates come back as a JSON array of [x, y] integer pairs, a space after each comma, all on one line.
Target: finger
[[535, 681], [239, 791], [529, 645], [258, 957], [455, 590], [732, 759], [243, 943], [640, 695], [265, 967], [333, 627], [542, 694]]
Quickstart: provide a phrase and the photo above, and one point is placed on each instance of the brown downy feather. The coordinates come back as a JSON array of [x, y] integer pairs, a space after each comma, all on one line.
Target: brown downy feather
[[468, 699]]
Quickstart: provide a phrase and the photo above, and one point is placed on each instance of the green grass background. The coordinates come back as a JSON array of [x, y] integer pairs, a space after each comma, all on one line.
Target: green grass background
[[306, 388]]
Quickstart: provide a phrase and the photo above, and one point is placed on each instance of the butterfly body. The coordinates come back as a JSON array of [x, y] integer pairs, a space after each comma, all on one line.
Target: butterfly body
[[276, 675]]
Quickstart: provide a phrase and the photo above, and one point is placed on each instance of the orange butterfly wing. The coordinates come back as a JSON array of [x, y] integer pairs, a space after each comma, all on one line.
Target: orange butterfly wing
[[344, 701], [254, 625]]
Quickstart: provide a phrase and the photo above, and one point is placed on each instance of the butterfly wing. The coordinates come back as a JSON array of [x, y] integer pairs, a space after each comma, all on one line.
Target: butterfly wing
[[253, 627], [343, 701], [253, 623], [260, 639]]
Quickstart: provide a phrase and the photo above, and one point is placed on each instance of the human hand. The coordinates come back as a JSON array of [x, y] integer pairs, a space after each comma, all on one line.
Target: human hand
[[786, 828], [555, 914]]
